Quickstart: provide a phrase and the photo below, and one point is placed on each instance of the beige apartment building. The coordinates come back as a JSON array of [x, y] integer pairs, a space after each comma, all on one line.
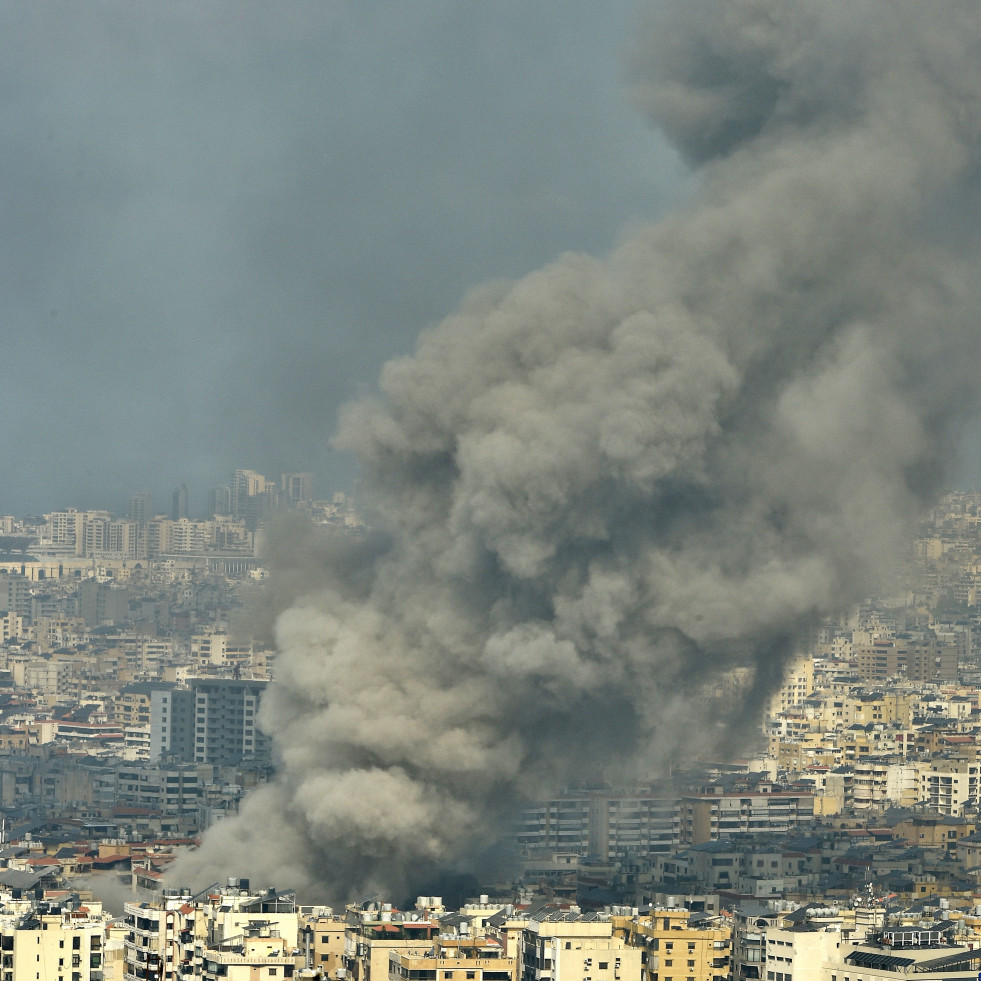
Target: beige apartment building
[[374, 935], [890, 706], [63, 946], [482, 959], [798, 683], [916, 660], [926, 830], [214, 648], [672, 949], [321, 939], [797, 749]]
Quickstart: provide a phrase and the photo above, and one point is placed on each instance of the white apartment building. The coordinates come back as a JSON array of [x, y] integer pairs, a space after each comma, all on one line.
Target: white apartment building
[[799, 952], [561, 946], [903, 783], [260, 954], [947, 785]]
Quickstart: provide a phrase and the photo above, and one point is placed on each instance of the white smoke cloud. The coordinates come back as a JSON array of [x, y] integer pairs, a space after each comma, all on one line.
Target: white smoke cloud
[[601, 483]]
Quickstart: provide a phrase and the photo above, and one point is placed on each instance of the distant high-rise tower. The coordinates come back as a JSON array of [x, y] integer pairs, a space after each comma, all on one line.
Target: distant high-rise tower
[[296, 487], [140, 507], [245, 484], [178, 508], [220, 500], [254, 498]]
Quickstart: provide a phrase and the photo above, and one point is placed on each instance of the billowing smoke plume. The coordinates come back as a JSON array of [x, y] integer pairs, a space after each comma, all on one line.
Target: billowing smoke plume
[[603, 482]]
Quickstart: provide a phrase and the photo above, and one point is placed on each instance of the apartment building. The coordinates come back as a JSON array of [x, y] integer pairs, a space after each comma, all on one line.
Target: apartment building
[[102, 602], [798, 683], [872, 788], [230, 933], [172, 791], [918, 659], [160, 939], [750, 925], [710, 816], [570, 946], [227, 912], [799, 950], [133, 705], [677, 945], [51, 943], [611, 825], [259, 954], [950, 785], [928, 951], [376, 932], [15, 593], [559, 824], [479, 959], [322, 939], [215, 648], [210, 721]]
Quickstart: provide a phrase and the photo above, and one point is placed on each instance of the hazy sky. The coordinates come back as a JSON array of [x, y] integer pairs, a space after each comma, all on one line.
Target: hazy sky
[[220, 218]]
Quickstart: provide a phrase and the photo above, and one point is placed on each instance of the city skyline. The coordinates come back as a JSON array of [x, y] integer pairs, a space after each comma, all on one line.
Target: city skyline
[[193, 503]]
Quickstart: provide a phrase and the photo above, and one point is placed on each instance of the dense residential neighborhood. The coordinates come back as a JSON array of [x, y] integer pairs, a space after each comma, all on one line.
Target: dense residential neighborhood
[[848, 844]]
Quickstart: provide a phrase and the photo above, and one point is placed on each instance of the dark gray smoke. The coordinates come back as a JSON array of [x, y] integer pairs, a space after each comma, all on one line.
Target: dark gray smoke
[[604, 481]]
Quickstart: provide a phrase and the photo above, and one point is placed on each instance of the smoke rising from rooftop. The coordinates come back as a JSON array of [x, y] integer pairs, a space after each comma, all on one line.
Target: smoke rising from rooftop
[[601, 483]]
